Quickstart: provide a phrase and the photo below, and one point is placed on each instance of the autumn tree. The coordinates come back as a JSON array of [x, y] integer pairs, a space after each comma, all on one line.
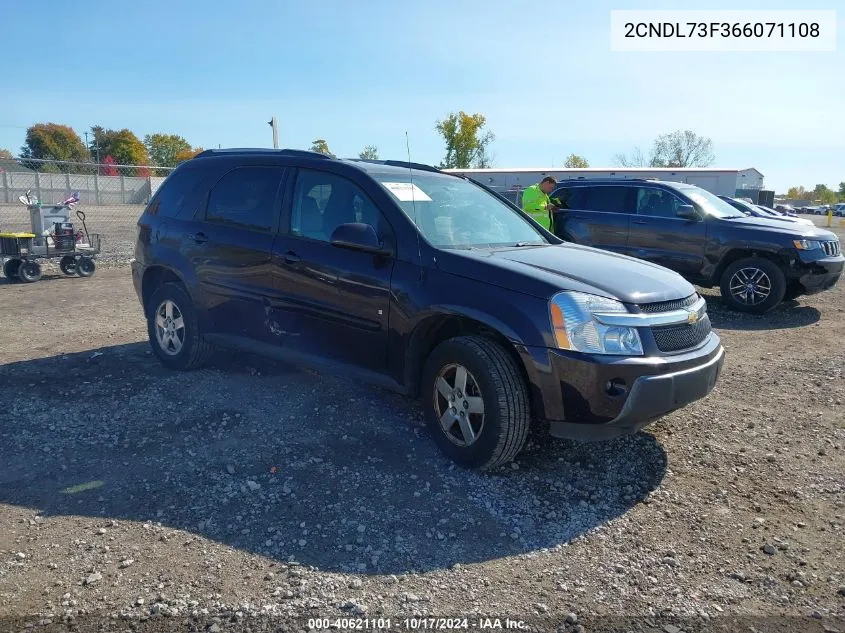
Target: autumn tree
[[108, 168], [321, 146], [163, 148], [370, 152], [467, 142], [681, 148], [5, 154], [54, 142], [187, 154], [797, 193], [122, 145], [573, 161]]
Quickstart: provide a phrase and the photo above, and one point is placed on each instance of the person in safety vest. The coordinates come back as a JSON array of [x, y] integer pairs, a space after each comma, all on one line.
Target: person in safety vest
[[535, 199]]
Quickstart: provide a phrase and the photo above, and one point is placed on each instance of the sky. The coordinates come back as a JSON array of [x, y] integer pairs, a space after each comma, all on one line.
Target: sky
[[366, 72]]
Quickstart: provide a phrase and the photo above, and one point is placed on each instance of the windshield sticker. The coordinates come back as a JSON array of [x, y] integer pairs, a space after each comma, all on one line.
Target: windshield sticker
[[406, 192]]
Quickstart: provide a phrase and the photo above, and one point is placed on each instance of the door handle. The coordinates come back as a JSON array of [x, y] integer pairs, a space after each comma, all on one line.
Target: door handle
[[199, 238], [639, 222], [291, 258]]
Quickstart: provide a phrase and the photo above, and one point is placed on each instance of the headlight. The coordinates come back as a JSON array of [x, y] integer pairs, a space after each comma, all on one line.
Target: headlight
[[807, 245], [576, 329]]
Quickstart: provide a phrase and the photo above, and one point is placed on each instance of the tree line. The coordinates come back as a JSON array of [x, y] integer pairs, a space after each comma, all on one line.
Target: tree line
[[52, 147], [466, 137], [821, 194]]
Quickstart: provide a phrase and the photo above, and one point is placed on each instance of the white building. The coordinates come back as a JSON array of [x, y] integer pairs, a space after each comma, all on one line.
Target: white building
[[724, 182]]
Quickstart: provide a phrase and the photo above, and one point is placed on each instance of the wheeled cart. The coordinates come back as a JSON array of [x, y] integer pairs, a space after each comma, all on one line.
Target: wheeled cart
[[52, 237], [22, 253]]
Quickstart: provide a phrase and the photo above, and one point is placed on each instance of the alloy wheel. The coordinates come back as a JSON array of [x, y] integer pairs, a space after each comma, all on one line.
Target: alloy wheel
[[459, 405], [169, 328], [750, 286]]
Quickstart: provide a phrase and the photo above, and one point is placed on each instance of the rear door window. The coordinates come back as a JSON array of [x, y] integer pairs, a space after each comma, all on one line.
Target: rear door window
[[570, 197], [176, 194], [246, 198], [608, 199], [657, 203]]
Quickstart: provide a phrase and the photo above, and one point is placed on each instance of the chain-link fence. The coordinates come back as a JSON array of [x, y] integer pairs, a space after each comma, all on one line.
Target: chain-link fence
[[111, 196]]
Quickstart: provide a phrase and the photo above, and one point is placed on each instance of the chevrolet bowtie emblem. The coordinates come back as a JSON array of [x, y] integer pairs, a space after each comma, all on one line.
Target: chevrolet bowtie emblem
[[692, 317]]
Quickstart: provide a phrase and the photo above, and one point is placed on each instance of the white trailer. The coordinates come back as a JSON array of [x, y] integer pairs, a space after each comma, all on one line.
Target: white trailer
[[723, 182]]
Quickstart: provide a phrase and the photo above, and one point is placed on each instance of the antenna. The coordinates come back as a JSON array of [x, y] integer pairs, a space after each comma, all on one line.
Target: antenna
[[413, 197]]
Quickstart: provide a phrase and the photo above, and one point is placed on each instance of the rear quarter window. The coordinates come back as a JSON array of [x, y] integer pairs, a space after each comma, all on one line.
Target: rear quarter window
[[175, 194]]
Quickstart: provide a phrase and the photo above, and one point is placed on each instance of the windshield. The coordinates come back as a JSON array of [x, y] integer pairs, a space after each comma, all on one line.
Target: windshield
[[454, 213], [711, 204]]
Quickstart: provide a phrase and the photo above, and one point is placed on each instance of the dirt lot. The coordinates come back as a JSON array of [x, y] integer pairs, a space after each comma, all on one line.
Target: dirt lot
[[251, 493]]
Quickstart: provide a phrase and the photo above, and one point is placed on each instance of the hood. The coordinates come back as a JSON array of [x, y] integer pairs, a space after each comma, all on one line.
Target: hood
[[544, 270], [787, 227]]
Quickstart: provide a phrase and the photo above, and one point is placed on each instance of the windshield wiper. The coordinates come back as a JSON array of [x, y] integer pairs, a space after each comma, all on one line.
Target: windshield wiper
[[521, 244]]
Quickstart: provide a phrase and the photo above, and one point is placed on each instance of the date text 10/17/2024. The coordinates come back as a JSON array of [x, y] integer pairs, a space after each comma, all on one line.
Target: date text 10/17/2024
[[415, 624]]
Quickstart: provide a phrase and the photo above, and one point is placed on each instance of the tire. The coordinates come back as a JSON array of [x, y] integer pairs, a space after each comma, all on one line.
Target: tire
[[30, 272], [11, 267], [85, 267], [494, 380], [192, 350], [762, 275], [68, 265]]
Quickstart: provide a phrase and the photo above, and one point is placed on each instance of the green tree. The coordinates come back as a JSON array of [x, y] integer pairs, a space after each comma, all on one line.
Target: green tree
[[5, 154], [163, 148], [842, 191], [467, 142], [797, 193], [54, 142], [824, 195], [321, 146], [122, 145], [573, 161], [370, 152]]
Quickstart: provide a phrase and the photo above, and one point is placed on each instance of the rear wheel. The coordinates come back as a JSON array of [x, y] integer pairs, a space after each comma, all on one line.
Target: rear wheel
[[10, 268], [29, 271], [173, 329], [476, 402], [753, 284]]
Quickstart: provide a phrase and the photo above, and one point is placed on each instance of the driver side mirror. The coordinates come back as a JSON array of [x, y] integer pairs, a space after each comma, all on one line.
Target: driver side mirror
[[358, 236], [687, 212]]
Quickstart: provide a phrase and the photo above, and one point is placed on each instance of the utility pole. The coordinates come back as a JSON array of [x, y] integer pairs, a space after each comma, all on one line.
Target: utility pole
[[275, 125]]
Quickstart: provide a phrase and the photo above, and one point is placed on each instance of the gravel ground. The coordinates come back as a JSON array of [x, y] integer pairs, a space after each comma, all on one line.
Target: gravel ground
[[252, 493]]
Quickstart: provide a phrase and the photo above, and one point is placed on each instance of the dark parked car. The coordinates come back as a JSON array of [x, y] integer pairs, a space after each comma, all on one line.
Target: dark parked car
[[756, 262], [423, 282], [762, 212]]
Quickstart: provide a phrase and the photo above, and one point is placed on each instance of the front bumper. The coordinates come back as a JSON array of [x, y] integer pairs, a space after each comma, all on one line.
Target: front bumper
[[822, 274], [587, 398]]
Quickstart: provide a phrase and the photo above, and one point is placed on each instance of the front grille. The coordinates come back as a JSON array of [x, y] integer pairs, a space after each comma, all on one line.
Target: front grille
[[669, 306], [831, 248], [672, 338]]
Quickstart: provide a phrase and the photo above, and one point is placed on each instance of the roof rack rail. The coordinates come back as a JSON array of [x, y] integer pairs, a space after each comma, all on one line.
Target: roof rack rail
[[397, 163], [303, 153]]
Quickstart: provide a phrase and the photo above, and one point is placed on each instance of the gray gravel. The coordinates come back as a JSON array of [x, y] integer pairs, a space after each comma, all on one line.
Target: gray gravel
[[252, 488]]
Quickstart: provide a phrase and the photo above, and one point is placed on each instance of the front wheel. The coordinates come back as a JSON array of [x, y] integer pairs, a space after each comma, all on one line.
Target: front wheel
[[476, 402], [753, 284], [173, 329], [85, 267], [68, 265]]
